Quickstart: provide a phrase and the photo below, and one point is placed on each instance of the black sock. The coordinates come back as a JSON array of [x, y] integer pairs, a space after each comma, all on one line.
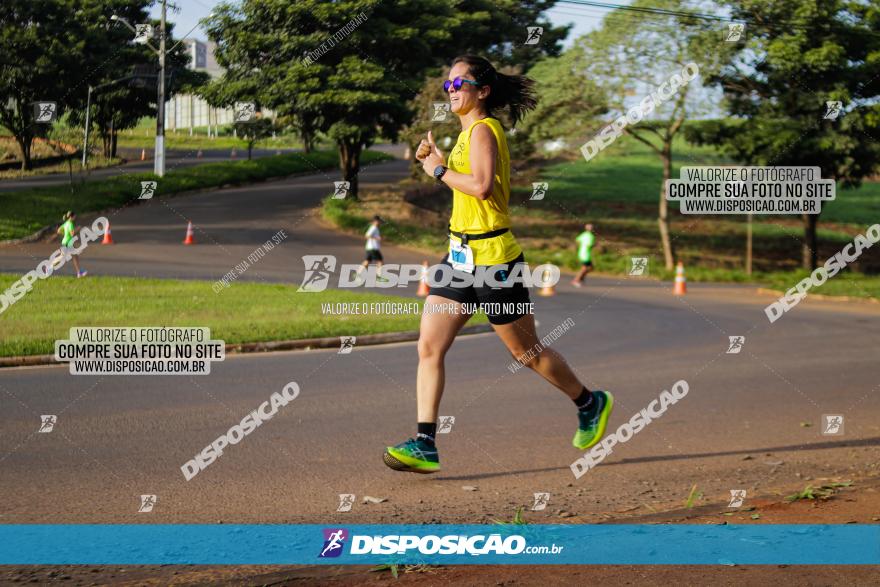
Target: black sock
[[426, 432], [585, 400]]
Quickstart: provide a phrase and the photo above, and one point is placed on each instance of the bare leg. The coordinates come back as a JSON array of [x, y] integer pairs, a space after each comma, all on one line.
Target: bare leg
[[436, 334], [520, 337], [75, 263], [581, 274]]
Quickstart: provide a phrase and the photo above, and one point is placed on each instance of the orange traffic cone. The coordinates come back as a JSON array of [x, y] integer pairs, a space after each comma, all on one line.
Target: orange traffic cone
[[233, 154], [143, 154], [547, 290], [189, 234], [108, 238], [680, 280], [423, 282]]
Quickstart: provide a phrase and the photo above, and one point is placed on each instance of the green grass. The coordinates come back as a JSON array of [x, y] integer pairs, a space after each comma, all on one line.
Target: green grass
[[25, 211], [245, 312], [145, 138]]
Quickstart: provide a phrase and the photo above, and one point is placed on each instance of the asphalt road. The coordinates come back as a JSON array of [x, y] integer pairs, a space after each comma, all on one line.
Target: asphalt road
[[174, 159], [750, 420]]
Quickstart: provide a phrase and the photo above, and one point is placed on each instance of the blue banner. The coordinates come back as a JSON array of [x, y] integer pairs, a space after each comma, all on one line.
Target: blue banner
[[308, 544]]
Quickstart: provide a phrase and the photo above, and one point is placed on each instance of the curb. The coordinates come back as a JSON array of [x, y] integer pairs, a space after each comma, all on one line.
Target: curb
[[304, 344]]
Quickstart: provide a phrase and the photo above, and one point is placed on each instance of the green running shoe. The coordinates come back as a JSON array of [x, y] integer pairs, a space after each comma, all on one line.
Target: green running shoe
[[416, 456], [591, 425]]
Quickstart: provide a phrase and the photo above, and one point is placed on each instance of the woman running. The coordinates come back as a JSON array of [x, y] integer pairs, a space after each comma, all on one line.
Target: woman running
[[479, 174]]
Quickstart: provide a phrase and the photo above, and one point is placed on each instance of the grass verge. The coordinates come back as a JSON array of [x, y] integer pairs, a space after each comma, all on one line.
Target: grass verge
[[245, 312], [24, 212]]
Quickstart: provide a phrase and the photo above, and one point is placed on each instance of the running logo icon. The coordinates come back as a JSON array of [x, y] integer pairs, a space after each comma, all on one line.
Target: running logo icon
[[639, 265], [541, 501], [340, 189], [445, 425], [736, 344], [244, 111], [539, 190], [318, 271], [346, 344], [441, 110], [833, 109], [334, 540], [735, 32], [143, 33], [148, 189], [346, 500], [47, 423], [147, 504], [832, 424], [45, 112], [533, 34], [737, 496]]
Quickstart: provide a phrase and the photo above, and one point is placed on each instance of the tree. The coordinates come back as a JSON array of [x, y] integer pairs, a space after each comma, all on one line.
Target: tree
[[351, 66], [253, 131], [814, 51], [633, 54], [41, 54]]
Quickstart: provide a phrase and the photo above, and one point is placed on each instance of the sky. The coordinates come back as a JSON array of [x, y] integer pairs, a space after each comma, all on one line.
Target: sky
[[584, 18]]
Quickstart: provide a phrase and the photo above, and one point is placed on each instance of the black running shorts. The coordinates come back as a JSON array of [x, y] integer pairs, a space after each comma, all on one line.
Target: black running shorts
[[502, 305]]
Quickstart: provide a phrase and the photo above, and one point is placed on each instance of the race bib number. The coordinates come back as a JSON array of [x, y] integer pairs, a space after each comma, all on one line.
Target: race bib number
[[461, 257]]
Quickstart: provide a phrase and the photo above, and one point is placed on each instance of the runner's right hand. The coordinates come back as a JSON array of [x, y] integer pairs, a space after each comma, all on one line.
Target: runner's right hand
[[424, 150]]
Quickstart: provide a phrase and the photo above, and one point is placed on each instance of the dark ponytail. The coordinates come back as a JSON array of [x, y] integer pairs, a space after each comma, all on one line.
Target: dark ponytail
[[517, 92]]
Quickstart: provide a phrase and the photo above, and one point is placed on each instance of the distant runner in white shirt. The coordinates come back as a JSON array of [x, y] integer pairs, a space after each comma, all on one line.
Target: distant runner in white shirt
[[374, 240]]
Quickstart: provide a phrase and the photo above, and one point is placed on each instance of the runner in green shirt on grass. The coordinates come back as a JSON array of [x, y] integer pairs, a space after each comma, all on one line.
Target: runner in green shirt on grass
[[585, 242]]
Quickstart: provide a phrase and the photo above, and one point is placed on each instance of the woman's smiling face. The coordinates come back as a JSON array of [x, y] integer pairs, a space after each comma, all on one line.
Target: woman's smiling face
[[468, 97]]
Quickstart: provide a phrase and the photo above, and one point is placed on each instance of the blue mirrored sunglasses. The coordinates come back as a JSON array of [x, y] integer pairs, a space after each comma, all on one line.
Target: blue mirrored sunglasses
[[457, 83]]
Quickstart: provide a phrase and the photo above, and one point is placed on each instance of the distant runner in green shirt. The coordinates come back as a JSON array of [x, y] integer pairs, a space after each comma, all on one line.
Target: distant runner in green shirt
[[66, 230], [585, 242]]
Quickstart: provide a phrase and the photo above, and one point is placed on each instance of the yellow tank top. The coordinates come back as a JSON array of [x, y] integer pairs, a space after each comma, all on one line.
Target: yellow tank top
[[471, 215]]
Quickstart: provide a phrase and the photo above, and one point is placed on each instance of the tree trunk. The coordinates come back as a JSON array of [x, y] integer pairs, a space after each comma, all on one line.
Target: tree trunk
[[350, 164], [809, 254], [250, 149], [24, 145], [113, 141], [663, 216], [105, 143]]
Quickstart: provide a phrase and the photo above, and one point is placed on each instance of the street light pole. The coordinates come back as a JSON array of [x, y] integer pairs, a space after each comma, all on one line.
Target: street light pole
[[86, 141], [159, 159]]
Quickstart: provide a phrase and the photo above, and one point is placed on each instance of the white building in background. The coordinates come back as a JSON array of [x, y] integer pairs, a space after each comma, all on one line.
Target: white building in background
[[188, 111]]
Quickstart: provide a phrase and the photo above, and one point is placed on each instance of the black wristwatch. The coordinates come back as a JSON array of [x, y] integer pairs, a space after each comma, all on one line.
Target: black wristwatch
[[439, 171]]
